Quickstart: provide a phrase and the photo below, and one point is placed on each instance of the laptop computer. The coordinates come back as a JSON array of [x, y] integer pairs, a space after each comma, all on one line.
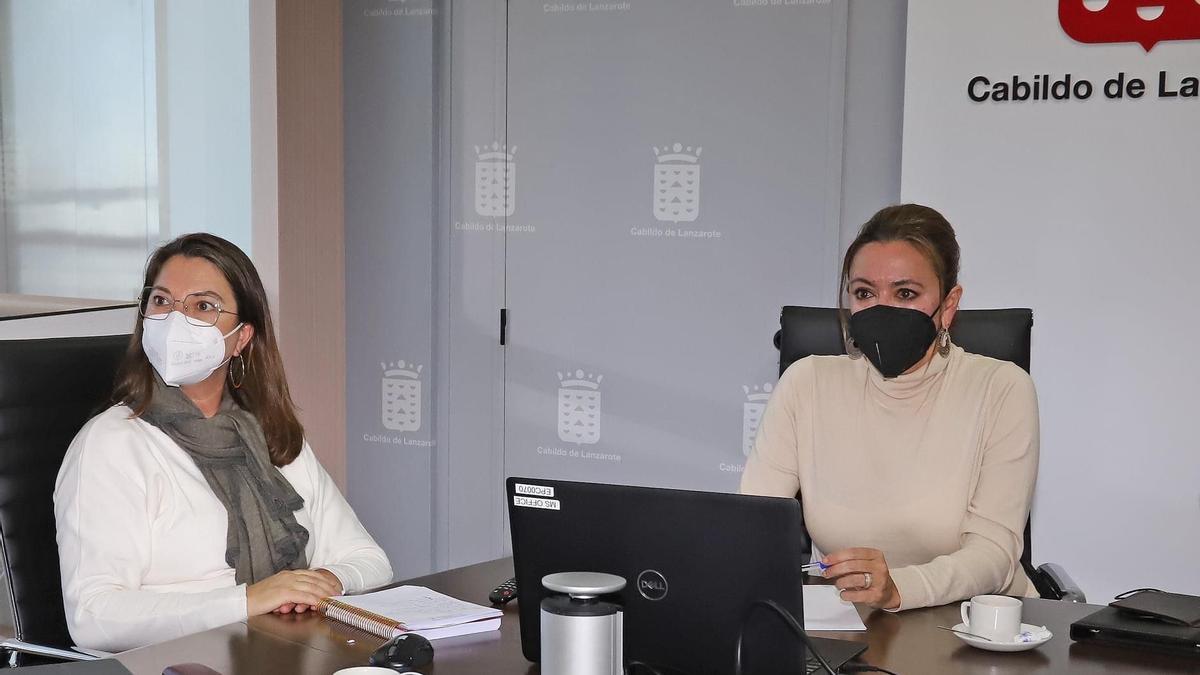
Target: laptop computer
[[694, 563]]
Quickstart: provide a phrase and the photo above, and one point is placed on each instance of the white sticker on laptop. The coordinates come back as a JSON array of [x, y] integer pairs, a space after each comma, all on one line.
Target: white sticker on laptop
[[535, 490], [536, 502]]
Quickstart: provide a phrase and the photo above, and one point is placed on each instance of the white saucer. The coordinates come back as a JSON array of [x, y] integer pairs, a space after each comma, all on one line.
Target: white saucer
[[1005, 646]]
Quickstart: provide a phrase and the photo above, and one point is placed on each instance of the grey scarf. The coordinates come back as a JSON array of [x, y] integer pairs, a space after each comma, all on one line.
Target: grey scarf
[[231, 451]]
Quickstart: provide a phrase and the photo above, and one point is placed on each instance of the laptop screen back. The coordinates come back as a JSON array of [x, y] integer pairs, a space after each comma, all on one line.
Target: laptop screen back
[[693, 562]]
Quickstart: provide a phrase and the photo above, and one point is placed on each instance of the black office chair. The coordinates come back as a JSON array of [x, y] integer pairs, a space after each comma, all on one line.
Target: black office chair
[[48, 390], [998, 333]]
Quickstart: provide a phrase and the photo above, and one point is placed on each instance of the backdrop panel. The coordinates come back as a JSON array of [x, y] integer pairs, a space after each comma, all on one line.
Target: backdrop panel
[[389, 100], [671, 322], [669, 179], [424, 80]]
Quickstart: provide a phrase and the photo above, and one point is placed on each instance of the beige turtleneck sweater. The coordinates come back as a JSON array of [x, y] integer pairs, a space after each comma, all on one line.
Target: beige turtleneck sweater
[[935, 468]]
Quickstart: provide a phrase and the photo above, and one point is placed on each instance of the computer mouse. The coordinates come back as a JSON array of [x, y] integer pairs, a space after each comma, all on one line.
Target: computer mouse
[[403, 652], [189, 669]]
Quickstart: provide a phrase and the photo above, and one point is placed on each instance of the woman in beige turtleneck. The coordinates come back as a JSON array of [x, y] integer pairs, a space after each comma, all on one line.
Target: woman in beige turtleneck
[[915, 464]]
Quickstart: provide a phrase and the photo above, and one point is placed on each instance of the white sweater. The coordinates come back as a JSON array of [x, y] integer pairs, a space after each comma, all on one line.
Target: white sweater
[[141, 537]]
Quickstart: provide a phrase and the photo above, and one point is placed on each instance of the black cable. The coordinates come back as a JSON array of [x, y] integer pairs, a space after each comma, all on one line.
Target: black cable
[[864, 668], [787, 619], [792, 623], [1126, 594], [629, 667], [655, 669]]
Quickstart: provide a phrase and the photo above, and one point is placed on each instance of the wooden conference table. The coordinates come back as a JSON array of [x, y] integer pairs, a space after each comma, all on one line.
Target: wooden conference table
[[908, 643]]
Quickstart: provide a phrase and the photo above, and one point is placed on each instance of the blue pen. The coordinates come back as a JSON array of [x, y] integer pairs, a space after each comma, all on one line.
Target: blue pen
[[818, 566]]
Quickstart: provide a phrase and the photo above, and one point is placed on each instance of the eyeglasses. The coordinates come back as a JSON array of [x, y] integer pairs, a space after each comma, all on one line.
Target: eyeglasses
[[200, 309]]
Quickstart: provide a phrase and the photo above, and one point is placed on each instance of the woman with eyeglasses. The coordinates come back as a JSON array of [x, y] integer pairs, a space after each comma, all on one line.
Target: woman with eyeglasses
[[195, 501]]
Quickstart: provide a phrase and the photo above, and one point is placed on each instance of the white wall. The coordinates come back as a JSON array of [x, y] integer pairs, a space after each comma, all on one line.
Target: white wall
[[1085, 211], [204, 118], [123, 125], [101, 322], [77, 203]]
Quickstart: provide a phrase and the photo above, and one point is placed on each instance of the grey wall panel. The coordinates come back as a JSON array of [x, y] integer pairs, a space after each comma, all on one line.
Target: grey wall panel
[[678, 175], [677, 326], [470, 522], [874, 111], [388, 76], [424, 84]]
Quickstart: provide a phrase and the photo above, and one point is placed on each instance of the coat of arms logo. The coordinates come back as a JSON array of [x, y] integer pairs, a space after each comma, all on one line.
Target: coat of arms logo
[[579, 407], [495, 181], [677, 183], [752, 412], [401, 396]]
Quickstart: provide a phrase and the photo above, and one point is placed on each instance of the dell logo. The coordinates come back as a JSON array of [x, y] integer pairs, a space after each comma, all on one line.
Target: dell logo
[[652, 585]]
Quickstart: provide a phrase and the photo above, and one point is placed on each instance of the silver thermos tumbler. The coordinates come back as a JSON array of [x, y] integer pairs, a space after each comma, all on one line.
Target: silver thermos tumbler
[[581, 632]]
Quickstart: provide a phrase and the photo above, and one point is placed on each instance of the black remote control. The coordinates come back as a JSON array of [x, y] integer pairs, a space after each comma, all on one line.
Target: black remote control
[[504, 592]]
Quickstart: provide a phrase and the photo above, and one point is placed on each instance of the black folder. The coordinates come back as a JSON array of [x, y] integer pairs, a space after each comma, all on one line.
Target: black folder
[[1147, 619]]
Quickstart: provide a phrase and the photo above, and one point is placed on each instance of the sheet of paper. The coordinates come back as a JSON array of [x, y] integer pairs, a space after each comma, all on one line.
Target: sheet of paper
[[418, 607], [823, 610]]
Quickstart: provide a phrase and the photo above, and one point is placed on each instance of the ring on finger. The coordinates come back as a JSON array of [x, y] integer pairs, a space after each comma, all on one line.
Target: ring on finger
[[866, 579]]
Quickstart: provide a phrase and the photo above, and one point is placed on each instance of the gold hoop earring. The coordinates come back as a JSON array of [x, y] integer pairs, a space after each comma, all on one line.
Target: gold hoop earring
[[852, 350], [851, 347], [943, 340], [237, 384]]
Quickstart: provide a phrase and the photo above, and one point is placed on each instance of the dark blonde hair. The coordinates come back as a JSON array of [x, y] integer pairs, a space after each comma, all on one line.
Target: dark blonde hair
[[924, 228], [264, 391]]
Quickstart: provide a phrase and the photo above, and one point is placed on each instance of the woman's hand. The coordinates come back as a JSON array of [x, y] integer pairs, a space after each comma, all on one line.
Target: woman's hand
[[299, 608], [291, 590], [862, 575]]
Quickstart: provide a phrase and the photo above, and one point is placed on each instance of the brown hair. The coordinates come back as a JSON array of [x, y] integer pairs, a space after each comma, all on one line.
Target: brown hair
[[264, 391], [924, 228]]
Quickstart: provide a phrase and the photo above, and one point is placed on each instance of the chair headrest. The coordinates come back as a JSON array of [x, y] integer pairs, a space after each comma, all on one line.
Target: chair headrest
[[999, 333]]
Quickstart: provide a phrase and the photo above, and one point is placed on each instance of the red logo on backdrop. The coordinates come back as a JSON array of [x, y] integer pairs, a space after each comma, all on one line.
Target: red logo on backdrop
[[1146, 22]]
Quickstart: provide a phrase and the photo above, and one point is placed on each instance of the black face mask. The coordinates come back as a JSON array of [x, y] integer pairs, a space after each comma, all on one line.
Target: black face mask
[[892, 338]]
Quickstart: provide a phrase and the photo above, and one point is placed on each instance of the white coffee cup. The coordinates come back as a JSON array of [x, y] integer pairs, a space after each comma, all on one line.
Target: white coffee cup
[[365, 670], [996, 617]]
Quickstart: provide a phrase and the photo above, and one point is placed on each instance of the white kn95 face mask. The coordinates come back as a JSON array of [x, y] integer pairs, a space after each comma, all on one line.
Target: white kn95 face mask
[[181, 352]]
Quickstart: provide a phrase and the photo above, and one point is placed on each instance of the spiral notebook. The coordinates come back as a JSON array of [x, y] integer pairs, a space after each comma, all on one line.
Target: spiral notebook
[[411, 609]]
